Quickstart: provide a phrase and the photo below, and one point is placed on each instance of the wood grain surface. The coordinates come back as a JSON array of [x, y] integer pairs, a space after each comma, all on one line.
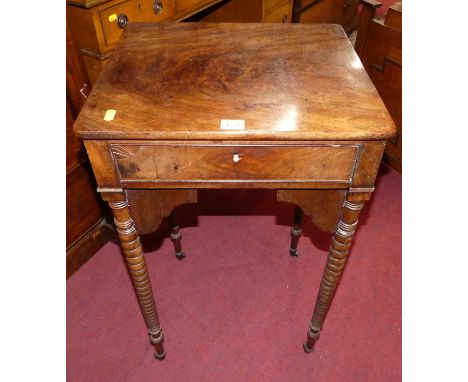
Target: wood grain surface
[[159, 164], [286, 81]]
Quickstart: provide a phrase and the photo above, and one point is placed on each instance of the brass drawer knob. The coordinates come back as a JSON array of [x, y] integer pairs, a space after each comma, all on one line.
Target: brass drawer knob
[[236, 158], [157, 7], [122, 21]]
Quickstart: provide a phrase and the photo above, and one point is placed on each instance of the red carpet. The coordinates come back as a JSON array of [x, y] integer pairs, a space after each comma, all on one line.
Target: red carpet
[[237, 308]]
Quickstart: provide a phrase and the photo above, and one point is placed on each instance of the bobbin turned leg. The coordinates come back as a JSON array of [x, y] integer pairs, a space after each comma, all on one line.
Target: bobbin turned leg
[[296, 231], [336, 260], [130, 242], [176, 236]]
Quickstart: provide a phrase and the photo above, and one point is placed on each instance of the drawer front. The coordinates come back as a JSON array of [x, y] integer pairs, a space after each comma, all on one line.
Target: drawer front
[[183, 5], [268, 5], [111, 19], [278, 12], [235, 164], [343, 12]]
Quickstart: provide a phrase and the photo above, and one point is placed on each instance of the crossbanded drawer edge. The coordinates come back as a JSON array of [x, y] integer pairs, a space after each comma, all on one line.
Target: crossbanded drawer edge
[[182, 163]]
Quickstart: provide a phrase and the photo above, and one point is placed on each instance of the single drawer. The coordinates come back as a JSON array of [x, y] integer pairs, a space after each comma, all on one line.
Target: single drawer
[[113, 19], [241, 165], [280, 12]]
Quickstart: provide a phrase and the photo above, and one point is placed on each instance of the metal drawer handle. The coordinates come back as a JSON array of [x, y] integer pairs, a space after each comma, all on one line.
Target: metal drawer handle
[[236, 157], [157, 7], [122, 21]]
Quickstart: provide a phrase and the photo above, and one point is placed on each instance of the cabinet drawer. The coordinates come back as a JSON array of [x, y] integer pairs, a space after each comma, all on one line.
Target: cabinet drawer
[[343, 12], [132, 11], [269, 5], [183, 5], [166, 164], [280, 12]]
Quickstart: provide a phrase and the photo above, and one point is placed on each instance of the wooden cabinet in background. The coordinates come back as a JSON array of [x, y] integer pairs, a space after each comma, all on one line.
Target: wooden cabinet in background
[[378, 44], [251, 11], [86, 227], [343, 12], [96, 25], [93, 28]]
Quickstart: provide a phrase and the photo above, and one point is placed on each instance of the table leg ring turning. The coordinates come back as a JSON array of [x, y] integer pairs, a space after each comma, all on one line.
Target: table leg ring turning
[[130, 242], [312, 337], [157, 340], [339, 249], [176, 237], [296, 231]]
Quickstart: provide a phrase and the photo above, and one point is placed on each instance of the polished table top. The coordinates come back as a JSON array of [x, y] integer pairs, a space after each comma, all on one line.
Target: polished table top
[[192, 80]]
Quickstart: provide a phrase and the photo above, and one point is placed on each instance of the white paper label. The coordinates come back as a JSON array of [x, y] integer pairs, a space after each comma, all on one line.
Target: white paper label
[[110, 114], [232, 124]]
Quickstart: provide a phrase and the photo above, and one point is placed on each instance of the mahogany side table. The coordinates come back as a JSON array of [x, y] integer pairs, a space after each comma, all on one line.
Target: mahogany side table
[[186, 106]]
